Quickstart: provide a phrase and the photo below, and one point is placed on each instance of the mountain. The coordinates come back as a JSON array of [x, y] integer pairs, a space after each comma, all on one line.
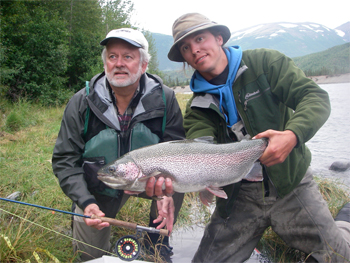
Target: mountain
[[163, 45], [344, 31], [292, 39]]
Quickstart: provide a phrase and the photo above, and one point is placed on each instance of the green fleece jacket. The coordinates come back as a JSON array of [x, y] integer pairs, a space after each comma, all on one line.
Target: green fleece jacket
[[271, 92]]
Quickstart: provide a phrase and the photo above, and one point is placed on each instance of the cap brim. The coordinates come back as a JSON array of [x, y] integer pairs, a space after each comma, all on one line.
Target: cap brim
[[174, 52], [132, 42]]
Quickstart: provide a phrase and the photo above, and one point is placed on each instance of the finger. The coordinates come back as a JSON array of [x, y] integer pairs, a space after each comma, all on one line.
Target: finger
[[169, 190], [150, 187], [169, 225], [158, 188], [96, 223], [264, 134], [161, 220], [158, 219], [102, 225]]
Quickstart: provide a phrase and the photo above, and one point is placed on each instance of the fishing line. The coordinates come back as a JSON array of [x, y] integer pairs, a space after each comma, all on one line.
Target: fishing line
[[54, 231], [127, 247]]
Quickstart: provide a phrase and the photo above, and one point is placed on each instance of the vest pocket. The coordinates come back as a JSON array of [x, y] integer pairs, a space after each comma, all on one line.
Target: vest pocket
[[100, 150], [142, 136]]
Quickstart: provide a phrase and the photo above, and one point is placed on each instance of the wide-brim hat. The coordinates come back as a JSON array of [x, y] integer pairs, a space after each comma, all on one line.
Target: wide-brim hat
[[132, 36], [188, 24]]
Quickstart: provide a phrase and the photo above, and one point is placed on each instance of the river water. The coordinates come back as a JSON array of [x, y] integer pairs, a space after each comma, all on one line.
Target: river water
[[330, 144]]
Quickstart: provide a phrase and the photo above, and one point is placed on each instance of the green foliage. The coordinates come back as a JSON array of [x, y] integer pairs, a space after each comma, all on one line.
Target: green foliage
[[85, 32], [335, 60], [152, 50], [36, 49], [20, 116], [116, 14], [49, 48]]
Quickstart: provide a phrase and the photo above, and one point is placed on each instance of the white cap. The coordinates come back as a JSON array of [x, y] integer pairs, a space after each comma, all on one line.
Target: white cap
[[132, 36]]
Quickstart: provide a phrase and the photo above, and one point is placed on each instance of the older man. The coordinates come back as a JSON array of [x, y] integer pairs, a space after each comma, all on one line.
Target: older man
[[119, 110]]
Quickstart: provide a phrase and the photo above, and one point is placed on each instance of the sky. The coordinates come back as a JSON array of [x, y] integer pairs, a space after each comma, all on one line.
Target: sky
[[158, 16]]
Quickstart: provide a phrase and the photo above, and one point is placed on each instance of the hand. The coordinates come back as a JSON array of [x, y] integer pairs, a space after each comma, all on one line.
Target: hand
[[93, 209], [166, 211], [155, 188], [279, 147]]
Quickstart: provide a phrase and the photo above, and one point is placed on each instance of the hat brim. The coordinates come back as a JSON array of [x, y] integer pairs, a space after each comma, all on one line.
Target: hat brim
[[132, 42], [174, 52]]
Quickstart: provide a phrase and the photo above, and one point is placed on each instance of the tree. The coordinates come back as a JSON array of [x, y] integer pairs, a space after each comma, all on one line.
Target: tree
[[35, 50], [116, 14], [85, 31], [152, 50]]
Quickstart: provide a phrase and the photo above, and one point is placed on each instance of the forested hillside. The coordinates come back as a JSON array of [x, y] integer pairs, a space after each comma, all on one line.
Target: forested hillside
[[335, 60], [49, 48]]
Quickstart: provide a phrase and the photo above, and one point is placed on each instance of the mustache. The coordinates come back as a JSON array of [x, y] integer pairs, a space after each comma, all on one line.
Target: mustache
[[120, 69]]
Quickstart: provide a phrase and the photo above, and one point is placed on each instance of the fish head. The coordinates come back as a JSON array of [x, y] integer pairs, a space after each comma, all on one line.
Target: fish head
[[119, 174]]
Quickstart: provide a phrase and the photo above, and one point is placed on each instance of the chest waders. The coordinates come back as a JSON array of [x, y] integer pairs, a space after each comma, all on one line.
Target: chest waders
[[104, 148]]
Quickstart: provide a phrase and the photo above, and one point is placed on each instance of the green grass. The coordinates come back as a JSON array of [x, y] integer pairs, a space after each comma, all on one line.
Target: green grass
[[25, 166], [27, 136]]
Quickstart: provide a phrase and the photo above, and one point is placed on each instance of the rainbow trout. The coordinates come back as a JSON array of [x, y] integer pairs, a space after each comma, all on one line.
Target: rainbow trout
[[193, 165]]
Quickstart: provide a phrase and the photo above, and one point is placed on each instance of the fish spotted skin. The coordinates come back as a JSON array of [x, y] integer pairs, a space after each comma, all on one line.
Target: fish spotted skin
[[193, 165]]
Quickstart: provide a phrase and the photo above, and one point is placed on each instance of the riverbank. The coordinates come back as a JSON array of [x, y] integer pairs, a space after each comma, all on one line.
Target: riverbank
[[325, 79], [329, 79]]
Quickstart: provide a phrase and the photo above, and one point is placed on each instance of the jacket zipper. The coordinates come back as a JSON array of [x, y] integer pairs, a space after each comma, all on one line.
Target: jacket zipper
[[254, 97]]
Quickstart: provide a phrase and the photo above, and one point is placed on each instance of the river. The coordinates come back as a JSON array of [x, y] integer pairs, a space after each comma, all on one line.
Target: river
[[332, 143]]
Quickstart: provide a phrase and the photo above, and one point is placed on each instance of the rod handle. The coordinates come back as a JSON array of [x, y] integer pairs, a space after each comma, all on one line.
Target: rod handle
[[115, 222], [164, 232]]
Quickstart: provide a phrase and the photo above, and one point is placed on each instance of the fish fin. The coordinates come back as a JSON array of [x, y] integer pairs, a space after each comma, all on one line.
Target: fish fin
[[206, 197], [205, 139], [157, 198], [217, 191], [146, 177]]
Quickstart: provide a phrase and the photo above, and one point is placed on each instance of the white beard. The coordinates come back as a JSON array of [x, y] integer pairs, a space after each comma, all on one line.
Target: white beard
[[119, 83]]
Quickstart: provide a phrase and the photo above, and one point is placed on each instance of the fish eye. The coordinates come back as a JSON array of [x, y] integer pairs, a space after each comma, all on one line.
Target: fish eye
[[111, 169]]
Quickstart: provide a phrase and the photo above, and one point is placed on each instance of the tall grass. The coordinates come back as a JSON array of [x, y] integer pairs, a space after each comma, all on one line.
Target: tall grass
[[27, 136]]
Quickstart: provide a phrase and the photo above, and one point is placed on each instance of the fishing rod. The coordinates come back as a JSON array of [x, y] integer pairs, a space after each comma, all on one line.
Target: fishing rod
[[127, 247]]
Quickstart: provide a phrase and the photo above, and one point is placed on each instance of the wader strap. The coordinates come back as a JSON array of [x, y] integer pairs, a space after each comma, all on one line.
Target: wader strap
[[87, 109], [266, 182]]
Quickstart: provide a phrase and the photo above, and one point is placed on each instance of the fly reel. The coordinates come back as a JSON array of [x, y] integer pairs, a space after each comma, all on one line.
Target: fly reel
[[128, 248]]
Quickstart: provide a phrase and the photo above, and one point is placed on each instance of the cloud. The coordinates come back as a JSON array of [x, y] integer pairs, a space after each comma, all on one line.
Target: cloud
[[158, 15]]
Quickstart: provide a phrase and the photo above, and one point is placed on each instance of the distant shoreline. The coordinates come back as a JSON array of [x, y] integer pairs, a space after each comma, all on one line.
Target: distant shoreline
[[329, 79], [324, 79]]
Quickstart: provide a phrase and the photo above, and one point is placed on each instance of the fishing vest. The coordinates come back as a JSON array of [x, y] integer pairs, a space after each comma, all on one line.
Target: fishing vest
[[104, 148]]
